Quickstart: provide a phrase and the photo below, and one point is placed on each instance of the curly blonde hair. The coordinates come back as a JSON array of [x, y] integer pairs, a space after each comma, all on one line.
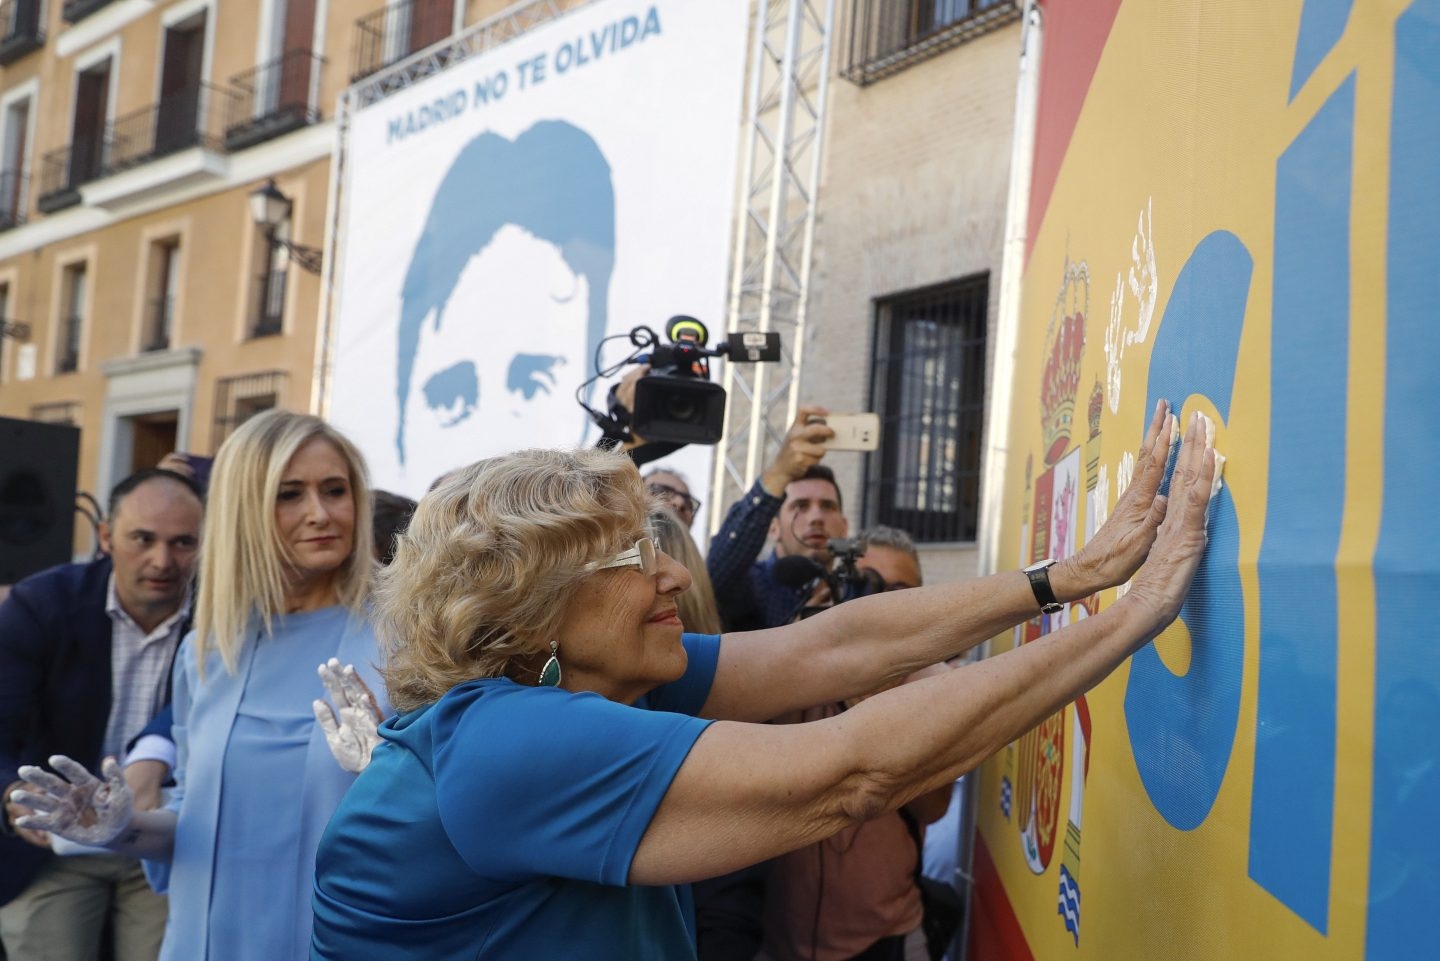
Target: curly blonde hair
[[481, 578]]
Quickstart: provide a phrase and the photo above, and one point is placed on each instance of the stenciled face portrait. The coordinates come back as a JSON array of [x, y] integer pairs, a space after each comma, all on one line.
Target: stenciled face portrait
[[504, 368]]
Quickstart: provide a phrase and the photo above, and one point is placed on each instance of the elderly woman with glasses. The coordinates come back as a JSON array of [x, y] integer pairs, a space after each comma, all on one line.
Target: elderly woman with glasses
[[566, 761]]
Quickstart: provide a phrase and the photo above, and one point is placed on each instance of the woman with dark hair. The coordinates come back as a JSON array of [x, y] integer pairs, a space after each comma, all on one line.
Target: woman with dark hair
[[565, 760]]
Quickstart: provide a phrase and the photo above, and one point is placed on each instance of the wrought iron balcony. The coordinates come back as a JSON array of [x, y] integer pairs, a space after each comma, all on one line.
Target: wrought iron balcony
[[273, 99], [888, 36], [14, 197], [177, 122], [63, 170], [189, 118], [392, 33], [73, 11], [24, 31]]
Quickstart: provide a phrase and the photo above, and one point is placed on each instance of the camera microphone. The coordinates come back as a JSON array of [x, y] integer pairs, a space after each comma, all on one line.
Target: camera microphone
[[683, 329], [797, 570]]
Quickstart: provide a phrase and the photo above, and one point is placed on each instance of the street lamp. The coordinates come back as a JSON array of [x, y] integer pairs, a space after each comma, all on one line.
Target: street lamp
[[270, 208]]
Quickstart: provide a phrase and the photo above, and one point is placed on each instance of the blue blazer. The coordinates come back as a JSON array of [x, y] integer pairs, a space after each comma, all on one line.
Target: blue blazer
[[54, 686]]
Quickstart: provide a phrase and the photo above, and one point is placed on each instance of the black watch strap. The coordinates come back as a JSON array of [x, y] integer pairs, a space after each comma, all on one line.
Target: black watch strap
[[1039, 575]]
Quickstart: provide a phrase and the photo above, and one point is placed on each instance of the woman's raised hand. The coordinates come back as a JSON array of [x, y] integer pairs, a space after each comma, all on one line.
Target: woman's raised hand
[[1165, 579], [78, 806], [352, 726], [1116, 551]]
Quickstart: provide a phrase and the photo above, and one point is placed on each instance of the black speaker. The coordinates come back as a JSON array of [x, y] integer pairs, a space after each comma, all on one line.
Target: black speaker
[[38, 463]]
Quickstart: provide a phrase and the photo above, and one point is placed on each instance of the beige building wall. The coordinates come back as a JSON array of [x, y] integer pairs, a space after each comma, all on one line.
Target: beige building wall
[[913, 193], [914, 178], [127, 399]]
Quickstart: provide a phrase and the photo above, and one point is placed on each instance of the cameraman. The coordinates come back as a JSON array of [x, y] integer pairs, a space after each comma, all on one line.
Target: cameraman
[[795, 501]]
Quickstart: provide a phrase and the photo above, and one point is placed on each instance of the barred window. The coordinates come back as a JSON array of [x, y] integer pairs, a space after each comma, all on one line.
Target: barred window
[[61, 412], [886, 36], [237, 399], [929, 390], [269, 300], [72, 319]]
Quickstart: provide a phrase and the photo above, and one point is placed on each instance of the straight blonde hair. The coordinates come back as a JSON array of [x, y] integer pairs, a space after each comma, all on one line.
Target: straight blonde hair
[[698, 609], [245, 563]]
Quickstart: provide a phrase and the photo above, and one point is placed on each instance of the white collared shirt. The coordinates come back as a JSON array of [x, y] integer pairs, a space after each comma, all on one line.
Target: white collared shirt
[[139, 667]]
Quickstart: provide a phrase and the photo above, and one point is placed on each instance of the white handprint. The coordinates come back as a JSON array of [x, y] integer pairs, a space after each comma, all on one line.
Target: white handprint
[[355, 734], [1143, 279], [79, 806], [1100, 497], [1114, 348]]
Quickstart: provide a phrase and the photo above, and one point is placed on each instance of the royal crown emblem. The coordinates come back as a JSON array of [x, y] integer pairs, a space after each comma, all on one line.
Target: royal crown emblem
[[1065, 338]]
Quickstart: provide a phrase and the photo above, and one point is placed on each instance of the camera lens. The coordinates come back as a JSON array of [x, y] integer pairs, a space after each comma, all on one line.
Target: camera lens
[[682, 408]]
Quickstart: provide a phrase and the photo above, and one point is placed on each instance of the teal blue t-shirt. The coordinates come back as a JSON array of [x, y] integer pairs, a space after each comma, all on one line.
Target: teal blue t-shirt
[[500, 823]]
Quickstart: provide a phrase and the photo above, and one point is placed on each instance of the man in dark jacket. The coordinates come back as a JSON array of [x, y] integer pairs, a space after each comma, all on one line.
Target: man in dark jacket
[[85, 657]]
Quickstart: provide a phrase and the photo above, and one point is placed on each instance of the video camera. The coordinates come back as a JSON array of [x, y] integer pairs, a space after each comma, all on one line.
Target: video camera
[[676, 401], [846, 581]]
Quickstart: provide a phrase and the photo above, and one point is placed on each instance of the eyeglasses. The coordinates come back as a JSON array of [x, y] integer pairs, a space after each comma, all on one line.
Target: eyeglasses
[[670, 493], [642, 555]]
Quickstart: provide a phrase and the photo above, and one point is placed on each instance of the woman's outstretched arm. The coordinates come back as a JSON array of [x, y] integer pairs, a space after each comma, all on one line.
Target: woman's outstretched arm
[[747, 792], [872, 642]]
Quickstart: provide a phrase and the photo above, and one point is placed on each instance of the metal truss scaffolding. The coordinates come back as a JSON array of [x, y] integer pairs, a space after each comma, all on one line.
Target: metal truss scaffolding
[[774, 233]]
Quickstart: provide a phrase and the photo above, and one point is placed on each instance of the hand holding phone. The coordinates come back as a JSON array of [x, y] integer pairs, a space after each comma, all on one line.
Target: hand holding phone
[[852, 431]]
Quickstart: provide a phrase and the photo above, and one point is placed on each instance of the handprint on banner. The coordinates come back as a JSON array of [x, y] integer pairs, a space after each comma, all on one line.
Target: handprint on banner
[[1143, 282], [1114, 345]]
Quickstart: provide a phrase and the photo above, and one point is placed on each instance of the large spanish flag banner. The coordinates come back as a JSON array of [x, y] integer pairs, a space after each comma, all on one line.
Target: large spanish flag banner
[[1234, 205]]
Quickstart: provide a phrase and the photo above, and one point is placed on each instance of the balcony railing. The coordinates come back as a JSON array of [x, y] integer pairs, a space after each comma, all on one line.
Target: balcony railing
[[392, 33], [190, 118], [158, 323], [887, 36], [23, 30], [63, 170], [14, 197], [273, 99], [73, 11]]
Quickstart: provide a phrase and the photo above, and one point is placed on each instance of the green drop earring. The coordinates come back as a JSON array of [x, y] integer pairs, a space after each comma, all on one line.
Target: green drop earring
[[550, 673]]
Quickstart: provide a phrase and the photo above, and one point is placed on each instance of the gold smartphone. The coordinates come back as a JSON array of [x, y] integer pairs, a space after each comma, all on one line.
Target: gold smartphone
[[852, 431]]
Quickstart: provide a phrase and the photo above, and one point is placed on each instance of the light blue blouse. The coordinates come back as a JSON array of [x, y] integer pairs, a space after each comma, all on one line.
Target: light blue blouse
[[256, 785]]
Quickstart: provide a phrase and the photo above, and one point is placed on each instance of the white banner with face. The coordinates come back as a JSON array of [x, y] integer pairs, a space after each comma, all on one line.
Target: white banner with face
[[504, 216]]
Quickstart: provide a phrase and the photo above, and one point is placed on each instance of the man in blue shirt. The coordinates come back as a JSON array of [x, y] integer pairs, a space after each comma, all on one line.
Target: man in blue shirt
[[795, 501]]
